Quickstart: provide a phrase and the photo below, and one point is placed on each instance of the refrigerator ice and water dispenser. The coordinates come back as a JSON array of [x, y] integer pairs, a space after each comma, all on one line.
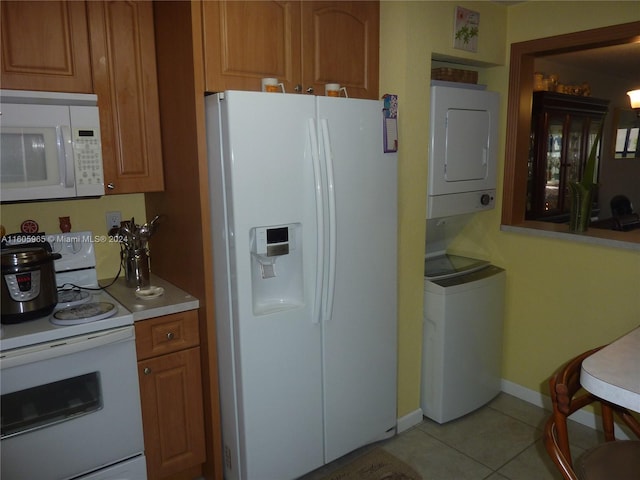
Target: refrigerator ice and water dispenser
[[276, 268]]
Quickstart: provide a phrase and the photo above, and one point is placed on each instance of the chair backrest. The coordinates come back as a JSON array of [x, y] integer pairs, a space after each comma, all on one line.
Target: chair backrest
[[567, 396], [620, 205]]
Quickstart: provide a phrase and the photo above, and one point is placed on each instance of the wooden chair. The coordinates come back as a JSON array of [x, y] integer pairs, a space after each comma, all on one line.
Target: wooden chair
[[613, 459]]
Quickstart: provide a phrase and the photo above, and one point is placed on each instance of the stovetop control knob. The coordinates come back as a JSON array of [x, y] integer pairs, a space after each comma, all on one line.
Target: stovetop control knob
[[485, 199]]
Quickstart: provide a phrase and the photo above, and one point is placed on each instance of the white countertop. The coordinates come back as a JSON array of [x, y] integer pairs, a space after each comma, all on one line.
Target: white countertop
[[173, 300], [613, 373]]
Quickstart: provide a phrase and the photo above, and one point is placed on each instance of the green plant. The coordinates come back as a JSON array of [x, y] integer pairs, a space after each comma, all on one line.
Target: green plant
[[466, 33], [581, 192]]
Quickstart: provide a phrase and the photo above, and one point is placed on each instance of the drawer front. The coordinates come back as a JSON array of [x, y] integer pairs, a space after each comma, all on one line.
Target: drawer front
[[166, 334]]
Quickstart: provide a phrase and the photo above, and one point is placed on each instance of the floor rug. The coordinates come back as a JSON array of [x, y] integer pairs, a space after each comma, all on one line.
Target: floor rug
[[378, 464]]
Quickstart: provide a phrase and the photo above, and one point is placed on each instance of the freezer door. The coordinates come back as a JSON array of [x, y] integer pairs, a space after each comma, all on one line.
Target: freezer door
[[269, 357], [359, 331]]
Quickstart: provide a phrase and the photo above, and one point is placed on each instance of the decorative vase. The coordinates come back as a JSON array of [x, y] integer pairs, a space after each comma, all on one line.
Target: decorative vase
[[580, 212], [65, 224]]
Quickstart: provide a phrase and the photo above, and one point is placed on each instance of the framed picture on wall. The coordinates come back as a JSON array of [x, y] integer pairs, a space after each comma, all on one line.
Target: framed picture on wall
[[466, 28]]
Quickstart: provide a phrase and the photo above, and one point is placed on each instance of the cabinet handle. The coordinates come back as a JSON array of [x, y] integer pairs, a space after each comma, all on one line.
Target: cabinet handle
[[146, 370], [310, 90], [297, 88], [170, 336], [110, 186]]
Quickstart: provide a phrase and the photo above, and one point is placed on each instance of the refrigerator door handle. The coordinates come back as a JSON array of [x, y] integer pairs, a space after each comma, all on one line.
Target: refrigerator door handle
[[317, 180], [328, 306]]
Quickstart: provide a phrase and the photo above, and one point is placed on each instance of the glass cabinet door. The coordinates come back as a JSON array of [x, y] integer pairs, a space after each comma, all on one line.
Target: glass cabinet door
[[553, 162]]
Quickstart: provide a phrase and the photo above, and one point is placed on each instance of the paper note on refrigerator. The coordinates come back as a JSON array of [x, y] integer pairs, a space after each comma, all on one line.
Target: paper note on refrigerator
[[390, 113]]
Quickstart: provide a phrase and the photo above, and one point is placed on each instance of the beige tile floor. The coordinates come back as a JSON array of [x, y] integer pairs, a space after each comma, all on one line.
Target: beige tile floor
[[502, 440]]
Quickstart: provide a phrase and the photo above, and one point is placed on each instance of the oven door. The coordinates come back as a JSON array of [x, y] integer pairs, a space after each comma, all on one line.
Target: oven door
[[70, 407]]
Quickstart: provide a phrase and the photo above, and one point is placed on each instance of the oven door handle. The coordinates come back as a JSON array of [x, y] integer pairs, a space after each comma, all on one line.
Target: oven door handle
[[67, 346]]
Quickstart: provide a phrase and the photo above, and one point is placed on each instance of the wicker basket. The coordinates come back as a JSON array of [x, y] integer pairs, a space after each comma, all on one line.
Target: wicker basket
[[454, 75]]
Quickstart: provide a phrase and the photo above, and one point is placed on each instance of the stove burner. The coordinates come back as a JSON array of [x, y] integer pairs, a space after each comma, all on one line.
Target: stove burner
[[86, 313], [71, 298]]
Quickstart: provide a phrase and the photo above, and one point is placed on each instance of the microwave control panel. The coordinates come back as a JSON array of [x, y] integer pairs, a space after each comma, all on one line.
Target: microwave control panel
[[87, 150], [88, 156]]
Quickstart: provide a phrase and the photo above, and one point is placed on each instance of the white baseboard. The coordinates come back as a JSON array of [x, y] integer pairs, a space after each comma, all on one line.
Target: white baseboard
[[526, 394], [410, 420], [584, 417]]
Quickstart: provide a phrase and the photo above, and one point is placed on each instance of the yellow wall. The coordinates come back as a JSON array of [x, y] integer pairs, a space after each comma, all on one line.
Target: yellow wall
[[86, 215], [562, 297]]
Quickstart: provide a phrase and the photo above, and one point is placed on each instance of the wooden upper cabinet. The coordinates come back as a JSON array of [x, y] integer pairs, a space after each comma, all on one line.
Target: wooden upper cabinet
[[125, 80], [303, 44], [340, 44], [245, 41], [45, 46]]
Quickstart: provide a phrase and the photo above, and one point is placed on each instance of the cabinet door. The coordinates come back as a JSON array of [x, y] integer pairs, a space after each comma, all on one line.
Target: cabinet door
[[340, 43], [553, 166], [172, 418], [45, 46], [245, 41], [125, 80]]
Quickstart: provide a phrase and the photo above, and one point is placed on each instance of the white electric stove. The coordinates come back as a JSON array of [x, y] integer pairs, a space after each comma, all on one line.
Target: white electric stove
[[72, 372]]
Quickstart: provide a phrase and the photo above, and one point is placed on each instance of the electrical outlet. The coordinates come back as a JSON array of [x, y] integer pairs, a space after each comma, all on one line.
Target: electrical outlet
[[113, 220]]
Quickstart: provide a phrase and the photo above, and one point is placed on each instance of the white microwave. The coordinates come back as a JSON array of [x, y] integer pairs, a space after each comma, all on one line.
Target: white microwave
[[50, 146]]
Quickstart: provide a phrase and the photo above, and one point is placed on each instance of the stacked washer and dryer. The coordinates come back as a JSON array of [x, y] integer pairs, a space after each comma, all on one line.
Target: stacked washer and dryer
[[463, 297]]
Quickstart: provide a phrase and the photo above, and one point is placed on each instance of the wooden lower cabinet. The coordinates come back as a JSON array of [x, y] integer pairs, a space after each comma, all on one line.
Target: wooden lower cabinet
[[171, 395]]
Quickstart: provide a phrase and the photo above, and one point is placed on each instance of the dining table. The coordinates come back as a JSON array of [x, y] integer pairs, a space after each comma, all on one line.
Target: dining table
[[613, 372]]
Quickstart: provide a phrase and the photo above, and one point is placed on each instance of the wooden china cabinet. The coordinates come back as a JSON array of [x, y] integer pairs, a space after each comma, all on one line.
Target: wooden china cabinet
[[563, 129], [305, 44]]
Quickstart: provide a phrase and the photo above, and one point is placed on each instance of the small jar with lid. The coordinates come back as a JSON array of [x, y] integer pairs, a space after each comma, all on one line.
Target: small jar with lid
[[537, 82]]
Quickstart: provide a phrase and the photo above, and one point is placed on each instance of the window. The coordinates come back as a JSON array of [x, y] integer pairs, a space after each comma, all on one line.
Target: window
[[627, 142]]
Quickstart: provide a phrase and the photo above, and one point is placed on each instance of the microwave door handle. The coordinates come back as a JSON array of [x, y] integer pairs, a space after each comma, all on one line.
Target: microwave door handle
[[65, 156]]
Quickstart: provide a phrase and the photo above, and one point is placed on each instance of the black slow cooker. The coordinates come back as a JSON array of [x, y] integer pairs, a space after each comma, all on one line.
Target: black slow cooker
[[28, 283]]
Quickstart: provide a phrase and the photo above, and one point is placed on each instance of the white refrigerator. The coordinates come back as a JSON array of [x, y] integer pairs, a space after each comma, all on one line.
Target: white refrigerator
[[304, 227]]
